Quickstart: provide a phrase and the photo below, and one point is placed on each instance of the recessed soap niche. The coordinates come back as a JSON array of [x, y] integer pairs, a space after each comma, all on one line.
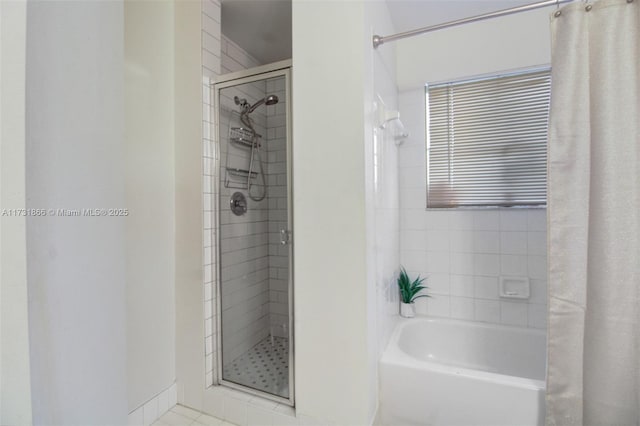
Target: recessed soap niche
[[515, 287]]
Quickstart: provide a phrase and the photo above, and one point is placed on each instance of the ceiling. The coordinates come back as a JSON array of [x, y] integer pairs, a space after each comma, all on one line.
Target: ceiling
[[263, 27]]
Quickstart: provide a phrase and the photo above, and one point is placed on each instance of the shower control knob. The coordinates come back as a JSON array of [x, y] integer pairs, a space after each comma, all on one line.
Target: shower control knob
[[238, 204]]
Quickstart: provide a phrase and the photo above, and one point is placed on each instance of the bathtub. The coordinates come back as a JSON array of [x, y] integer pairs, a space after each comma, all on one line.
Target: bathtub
[[448, 372]]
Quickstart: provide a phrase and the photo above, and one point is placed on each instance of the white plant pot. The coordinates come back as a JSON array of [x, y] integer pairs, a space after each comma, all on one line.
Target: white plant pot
[[407, 310]]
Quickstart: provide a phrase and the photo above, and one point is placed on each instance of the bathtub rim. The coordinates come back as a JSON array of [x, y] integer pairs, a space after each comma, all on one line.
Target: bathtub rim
[[393, 355]]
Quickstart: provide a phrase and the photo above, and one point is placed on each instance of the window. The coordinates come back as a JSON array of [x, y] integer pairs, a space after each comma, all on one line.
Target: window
[[487, 141]]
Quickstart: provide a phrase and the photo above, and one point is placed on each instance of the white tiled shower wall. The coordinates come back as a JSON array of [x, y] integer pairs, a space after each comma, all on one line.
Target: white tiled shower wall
[[464, 252], [246, 265], [244, 240], [211, 52], [255, 264], [276, 161], [387, 235]]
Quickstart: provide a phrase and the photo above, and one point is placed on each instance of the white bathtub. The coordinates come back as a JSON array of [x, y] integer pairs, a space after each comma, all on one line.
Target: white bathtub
[[448, 372]]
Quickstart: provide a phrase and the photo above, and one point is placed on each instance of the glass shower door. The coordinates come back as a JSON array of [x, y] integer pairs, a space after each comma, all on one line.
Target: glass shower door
[[254, 238]]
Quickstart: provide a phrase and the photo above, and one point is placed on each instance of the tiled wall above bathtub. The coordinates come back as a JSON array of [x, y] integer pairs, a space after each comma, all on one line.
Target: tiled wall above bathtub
[[381, 154], [464, 252]]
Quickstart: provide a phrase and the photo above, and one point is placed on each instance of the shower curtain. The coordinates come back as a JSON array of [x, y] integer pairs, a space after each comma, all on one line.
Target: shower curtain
[[593, 375]]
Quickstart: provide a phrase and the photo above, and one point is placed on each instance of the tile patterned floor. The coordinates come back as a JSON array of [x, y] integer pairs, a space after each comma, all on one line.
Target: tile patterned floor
[[183, 416], [263, 367]]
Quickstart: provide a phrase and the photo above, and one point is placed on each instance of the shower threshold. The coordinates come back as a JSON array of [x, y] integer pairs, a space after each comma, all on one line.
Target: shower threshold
[[264, 367]]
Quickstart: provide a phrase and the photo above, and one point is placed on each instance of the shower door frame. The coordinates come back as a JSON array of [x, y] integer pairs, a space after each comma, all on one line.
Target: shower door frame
[[278, 69]]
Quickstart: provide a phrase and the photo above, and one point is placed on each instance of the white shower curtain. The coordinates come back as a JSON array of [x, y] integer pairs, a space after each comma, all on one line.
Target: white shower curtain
[[593, 373]]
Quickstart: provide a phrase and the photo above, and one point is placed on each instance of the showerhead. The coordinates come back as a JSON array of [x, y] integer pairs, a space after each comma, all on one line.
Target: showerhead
[[269, 100]]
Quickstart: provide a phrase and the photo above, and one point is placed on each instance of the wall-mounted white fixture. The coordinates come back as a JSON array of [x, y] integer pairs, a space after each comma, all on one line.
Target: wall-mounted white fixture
[[388, 120], [514, 287]]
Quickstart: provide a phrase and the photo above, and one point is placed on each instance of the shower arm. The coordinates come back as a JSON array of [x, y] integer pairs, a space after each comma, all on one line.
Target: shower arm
[[254, 106], [246, 120]]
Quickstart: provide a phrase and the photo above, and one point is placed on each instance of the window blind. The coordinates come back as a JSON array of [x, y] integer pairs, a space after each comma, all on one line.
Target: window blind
[[487, 141]]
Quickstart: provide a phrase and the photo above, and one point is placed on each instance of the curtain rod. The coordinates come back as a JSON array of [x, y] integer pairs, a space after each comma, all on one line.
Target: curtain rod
[[378, 39]]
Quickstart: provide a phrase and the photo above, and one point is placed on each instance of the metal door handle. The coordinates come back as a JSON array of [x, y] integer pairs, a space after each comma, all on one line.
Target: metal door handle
[[285, 236]]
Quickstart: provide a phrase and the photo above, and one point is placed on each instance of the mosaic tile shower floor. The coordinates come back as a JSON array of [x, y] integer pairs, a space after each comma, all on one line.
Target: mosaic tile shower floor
[[263, 367]]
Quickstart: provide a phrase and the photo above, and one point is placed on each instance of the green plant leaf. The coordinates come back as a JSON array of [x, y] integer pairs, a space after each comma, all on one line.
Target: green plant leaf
[[409, 289]]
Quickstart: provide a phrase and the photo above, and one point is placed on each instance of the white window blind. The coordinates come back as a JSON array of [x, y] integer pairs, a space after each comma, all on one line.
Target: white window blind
[[487, 141]]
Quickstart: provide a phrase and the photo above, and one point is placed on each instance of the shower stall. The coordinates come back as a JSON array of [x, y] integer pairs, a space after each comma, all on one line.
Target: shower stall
[[254, 238]]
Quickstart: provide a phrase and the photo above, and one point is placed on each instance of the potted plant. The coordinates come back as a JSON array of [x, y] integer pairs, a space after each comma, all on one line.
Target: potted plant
[[409, 292]]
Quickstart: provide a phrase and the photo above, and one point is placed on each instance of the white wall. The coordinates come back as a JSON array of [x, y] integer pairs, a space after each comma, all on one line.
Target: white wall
[[75, 158], [15, 389], [506, 43], [99, 348], [149, 136], [189, 277], [164, 137], [465, 252], [333, 373]]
